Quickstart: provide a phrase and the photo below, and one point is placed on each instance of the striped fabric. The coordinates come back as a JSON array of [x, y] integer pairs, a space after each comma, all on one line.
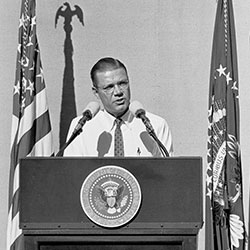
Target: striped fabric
[[31, 129]]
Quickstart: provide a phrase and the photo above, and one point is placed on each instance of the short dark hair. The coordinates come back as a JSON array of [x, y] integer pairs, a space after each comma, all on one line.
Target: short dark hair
[[105, 64]]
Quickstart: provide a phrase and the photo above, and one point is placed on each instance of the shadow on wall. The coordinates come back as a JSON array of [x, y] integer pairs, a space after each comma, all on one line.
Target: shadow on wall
[[68, 105]]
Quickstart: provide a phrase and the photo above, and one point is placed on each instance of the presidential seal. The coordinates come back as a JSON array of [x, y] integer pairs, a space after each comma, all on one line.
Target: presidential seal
[[110, 196]]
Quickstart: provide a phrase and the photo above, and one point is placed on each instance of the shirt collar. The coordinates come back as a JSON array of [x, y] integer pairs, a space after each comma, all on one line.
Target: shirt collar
[[127, 119]]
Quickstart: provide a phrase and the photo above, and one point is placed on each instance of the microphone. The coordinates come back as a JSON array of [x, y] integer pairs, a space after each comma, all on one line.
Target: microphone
[[139, 112], [88, 113]]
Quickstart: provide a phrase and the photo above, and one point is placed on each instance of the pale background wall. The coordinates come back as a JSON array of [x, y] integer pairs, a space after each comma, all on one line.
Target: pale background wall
[[166, 45]]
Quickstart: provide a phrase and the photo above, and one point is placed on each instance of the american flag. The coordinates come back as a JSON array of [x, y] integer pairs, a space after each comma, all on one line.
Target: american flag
[[225, 227], [31, 133]]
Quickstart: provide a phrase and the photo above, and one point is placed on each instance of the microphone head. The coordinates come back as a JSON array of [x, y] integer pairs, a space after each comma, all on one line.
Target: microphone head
[[137, 109], [92, 109]]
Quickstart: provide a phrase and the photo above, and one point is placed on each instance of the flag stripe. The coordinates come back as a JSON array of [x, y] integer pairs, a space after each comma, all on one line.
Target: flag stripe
[[14, 231], [15, 203], [12, 176], [34, 110], [19, 243], [14, 129], [29, 139], [41, 148], [16, 180]]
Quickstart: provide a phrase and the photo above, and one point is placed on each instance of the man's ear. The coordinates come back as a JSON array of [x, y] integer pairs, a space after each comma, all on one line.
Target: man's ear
[[95, 92]]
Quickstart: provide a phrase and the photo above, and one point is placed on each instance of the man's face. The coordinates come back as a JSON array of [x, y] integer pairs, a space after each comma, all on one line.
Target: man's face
[[113, 90]]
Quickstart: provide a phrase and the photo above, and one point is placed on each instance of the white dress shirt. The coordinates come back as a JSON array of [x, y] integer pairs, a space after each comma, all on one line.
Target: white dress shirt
[[97, 137]]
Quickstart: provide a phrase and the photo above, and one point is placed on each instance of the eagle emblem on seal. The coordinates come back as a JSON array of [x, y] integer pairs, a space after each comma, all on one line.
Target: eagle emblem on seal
[[111, 197]]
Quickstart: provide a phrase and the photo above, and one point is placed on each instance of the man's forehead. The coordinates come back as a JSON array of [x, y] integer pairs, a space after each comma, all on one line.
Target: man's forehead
[[111, 74]]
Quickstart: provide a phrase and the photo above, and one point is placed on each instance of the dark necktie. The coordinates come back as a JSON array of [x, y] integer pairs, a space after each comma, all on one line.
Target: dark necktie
[[119, 148]]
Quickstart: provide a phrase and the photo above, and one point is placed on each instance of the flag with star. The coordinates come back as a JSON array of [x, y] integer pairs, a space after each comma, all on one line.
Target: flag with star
[[225, 227], [31, 133]]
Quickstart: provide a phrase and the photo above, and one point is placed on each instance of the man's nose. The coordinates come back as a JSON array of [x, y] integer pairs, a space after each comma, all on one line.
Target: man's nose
[[117, 90]]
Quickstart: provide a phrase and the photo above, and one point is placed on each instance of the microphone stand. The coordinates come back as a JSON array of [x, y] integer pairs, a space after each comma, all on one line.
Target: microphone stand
[[151, 132], [78, 129], [161, 146], [66, 144]]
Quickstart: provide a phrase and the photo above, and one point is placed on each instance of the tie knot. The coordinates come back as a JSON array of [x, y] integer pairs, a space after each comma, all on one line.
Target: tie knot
[[118, 122]]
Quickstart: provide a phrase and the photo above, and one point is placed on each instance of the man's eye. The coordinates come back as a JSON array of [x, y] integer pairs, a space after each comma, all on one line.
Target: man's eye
[[123, 84], [109, 87]]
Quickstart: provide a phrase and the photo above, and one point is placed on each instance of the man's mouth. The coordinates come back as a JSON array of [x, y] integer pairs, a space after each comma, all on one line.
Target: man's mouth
[[120, 101]]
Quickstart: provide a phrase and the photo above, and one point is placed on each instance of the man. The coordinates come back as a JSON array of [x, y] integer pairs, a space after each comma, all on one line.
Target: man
[[115, 120]]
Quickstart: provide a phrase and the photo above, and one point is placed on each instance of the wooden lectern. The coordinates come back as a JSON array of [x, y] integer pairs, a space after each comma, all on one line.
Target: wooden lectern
[[52, 218]]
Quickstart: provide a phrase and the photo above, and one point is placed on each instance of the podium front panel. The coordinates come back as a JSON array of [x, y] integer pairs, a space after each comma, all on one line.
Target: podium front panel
[[50, 191]]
